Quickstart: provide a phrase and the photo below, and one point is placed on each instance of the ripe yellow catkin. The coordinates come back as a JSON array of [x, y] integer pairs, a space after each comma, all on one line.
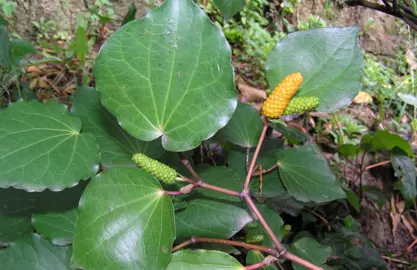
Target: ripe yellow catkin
[[274, 106]]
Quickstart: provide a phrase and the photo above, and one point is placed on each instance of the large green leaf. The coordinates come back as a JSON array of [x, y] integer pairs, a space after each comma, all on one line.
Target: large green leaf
[[383, 140], [58, 227], [168, 74], [13, 227], [41, 147], [229, 7], [125, 222], [329, 59], [406, 173], [210, 213], [310, 250], [203, 259], [116, 145], [244, 129], [17, 207], [35, 253], [307, 176], [15, 210]]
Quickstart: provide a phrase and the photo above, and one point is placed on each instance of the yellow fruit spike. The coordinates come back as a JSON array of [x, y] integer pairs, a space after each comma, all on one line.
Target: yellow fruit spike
[[274, 106]]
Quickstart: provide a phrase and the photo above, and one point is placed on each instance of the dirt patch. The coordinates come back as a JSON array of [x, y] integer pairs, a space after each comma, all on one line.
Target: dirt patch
[[380, 33], [376, 222], [62, 12]]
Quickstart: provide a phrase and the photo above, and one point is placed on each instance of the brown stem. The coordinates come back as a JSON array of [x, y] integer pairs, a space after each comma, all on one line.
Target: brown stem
[[360, 179], [377, 165], [173, 193], [202, 184], [300, 261], [255, 156], [255, 266], [320, 217], [187, 165], [410, 247], [280, 250], [194, 240], [263, 222], [265, 171]]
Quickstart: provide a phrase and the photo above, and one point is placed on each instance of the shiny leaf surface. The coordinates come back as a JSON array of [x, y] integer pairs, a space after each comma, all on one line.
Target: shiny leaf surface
[[57, 227], [125, 221], [329, 59], [202, 259], [168, 74], [41, 147], [307, 176], [116, 145], [33, 252], [244, 129]]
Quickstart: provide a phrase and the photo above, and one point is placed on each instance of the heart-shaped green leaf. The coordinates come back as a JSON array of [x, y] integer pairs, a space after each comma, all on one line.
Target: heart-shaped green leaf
[[168, 74], [125, 222], [229, 7], [329, 59], [307, 176], [210, 213], [406, 173], [310, 250], [203, 259], [58, 227], [244, 129], [41, 147], [116, 145], [33, 252]]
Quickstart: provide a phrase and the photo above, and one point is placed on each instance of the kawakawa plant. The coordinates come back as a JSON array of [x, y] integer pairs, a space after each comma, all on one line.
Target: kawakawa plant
[[164, 86]]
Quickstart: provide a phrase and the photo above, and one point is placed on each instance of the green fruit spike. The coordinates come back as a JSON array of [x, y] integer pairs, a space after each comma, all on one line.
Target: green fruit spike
[[252, 225], [286, 230], [254, 238], [301, 105], [159, 170]]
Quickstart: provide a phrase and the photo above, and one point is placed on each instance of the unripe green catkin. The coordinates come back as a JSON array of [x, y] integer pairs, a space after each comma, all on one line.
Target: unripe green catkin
[[161, 171], [301, 105]]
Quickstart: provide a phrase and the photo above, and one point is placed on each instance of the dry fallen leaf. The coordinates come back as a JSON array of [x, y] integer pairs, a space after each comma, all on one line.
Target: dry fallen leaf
[[251, 93], [411, 59], [396, 219], [363, 98]]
